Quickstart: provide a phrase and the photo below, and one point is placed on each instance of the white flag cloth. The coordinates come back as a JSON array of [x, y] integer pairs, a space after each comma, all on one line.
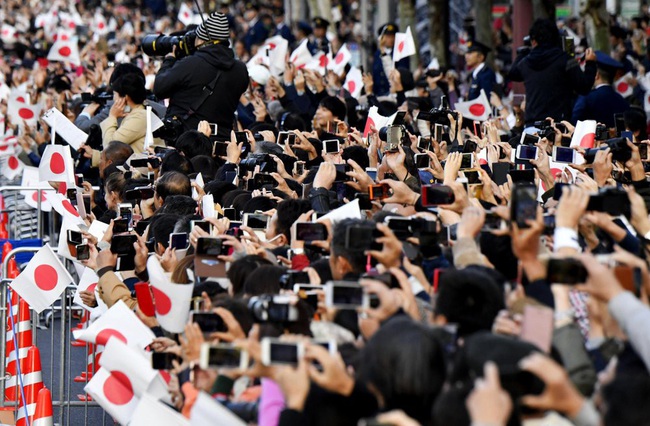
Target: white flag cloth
[[376, 120], [87, 282], [56, 164], [208, 411], [272, 54], [12, 167], [319, 62], [301, 55], [114, 393], [64, 207], [63, 250], [8, 34], [404, 45], [148, 136], [9, 146], [150, 411], [43, 280], [30, 179], [478, 109], [584, 135], [65, 51], [119, 322], [341, 59], [19, 109], [354, 82], [185, 14], [118, 356], [172, 301], [100, 26], [622, 86]]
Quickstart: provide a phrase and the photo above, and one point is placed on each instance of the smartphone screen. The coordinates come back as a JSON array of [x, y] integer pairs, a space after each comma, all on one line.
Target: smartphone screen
[[467, 161], [230, 213], [379, 192], [256, 221], [422, 161], [83, 252], [526, 152], [286, 353], [209, 322], [75, 237], [123, 244], [203, 224], [619, 120], [527, 139], [331, 146], [566, 271], [522, 176], [120, 226], [220, 149], [563, 155], [163, 360], [178, 241], [537, 326], [349, 295], [524, 204], [308, 231], [436, 195], [241, 137], [210, 247], [222, 356], [372, 172]]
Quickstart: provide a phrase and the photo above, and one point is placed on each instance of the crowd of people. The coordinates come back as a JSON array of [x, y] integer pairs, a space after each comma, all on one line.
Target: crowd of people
[[438, 270]]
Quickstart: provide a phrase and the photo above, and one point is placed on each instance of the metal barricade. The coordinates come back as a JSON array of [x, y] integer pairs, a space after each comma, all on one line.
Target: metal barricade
[[39, 217], [57, 360]]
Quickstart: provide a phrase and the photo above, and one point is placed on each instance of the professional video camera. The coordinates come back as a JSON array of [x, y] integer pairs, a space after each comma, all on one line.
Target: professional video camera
[[273, 308], [265, 161], [99, 97], [161, 44], [394, 136], [618, 147], [525, 49], [170, 131], [439, 115]]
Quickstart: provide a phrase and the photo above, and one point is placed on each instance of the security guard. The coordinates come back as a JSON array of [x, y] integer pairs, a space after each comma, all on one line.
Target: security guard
[[319, 41], [383, 59], [482, 77]]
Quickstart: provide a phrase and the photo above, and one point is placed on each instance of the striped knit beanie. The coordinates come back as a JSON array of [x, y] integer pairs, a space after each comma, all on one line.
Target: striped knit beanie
[[214, 28]]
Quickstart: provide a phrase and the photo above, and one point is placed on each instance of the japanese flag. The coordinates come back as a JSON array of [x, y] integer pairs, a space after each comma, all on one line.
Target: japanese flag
[[56, 164], [8, 34], [43, 280], [63, 35], [65, 50], [30, 179], [623, 87], [341, 59], [354, 82], [118, 356], [207, 410], [278, 47], [584, 135], [376, 120], [67, 224], [19, 109], [172, 301], [319, 63], [113, 391], [12, 167], [119, 322], [301, 55], [261, 57], [477, 109], [8, 146], [150, 411], [556, 172], [404, 45], [100, 26], [64, 207], [185, 14], [87, 282]]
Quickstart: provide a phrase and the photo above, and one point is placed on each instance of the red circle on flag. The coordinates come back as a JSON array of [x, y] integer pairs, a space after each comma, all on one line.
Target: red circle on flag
[[20, 99], [588, 140], [622, 87], [101, 25], [57, 163], [323, 61], [91, 287], [477, 109], [46, 277], [369, 124], [554, 172], [63, 187], [13, 163], [4, 147], [65, 37], [26, 113], [185, 14], [339, 58], [69, 207], [272, 46], [351, 86], [400, 46], [72, 25], [35, 196], [107, 333], [118, 389], [65, 51], [162, 301], [166, 376]]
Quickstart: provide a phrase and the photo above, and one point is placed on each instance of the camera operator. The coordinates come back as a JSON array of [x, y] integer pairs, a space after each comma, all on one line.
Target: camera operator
[[183, 81]]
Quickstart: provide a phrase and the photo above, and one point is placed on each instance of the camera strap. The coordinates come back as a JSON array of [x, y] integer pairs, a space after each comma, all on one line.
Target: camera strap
[[207, 92]]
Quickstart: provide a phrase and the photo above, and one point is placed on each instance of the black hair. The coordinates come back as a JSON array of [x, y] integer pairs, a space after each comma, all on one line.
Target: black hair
[[628, 400], [636, 120], [181, 205], [192, 143], [288, 211], [470, 299], [124, 69], [259, 203], [115, 182], [264, 280], [291, 121], [240, 269], [173, 183], [218, 189], [357, 259], [161, 226], [545, 33], [205, 165], [229, 197], [173, 161], [357, 153], [239, 309], [405, 363], [131, 85], [240, 201]]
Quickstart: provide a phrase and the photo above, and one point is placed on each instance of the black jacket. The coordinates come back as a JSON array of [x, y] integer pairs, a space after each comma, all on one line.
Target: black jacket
[[182, 81], [551, 77]]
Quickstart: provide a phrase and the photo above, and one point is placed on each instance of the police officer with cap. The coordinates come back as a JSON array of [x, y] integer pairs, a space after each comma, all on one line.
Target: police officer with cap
[[383, 59], [482, 77], [319, 42], [603, 101]]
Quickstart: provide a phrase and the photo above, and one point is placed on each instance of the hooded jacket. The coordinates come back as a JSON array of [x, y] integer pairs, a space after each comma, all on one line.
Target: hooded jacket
[[182, 81], [551, 77]]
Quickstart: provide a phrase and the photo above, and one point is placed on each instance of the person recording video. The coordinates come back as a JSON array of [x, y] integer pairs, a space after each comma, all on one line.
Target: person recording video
[[207, 84]]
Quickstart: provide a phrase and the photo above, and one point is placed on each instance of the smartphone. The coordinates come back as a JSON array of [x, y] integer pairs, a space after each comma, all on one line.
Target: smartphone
[[472, 177], [628, 135], [145, 299], [467, 161], [345, 295], [331, 146], [120, 226], [298, 168], [241, 137], [437, 195], [214, 128], [87, 202], [569, 46], [278, 352], [161, 149], [75, 237], [522, 176], [310, 231], [527, 139], [331, 127], [141, 226], [477, 129], [139, 163], [262, 179], [286, 138], [79, 180], [289, 279], [379, 192], [424, 143], [568, 271], [422, 161], [222, 355], [619, 121], [219, 149], [71, 194], [341, 172], [256, 221], [372, 172], [123, 244], [230, 213], [206, 246], [125, 262], [178, 241], [563, 155], [631, 279], [83, 252], [364, 201], [208, 322], [437, 132], [643, 151], [203, 224], [163, 360], [362, 237], [537, 326], [526, 152], [297, 288], [523, 204]]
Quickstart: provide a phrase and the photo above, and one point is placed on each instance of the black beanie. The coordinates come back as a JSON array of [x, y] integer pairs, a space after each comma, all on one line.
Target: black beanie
[[335, 106]]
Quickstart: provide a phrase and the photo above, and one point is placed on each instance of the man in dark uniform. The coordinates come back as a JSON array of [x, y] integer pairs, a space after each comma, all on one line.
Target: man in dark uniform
[[281, 27], [383, 59], [482, 77], [603, 101], [319, 41]]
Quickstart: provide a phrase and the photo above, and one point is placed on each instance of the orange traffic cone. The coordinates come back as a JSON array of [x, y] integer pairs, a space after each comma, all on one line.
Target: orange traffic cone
[[4, 216], [43, 414], [4, 234], [24, 338], [33, 383], [6, 248], [12, 269], [94, 355]]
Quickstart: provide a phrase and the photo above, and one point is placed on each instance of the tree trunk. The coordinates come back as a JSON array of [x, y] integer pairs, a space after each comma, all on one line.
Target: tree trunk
[[596, 24], [439, 30], [406, 12], [483, 19]]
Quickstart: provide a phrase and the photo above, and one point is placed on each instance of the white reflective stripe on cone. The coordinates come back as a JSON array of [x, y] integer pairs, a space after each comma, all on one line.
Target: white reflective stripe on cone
[[22, 327], [32, 378], [22, 353], [43, 421], [31, 409]]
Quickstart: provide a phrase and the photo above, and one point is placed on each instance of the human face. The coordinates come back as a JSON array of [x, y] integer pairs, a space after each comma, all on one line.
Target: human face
[[472, 59], [389, 40], [323, 116]]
